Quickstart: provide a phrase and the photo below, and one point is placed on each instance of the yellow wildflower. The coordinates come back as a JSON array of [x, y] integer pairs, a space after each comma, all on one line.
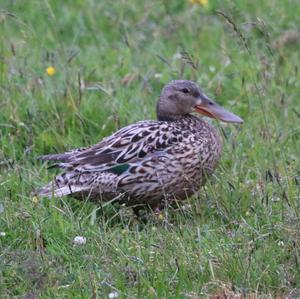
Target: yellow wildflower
[[50, 70], [35, 200], [152, 292], [161, 216], [201, 2]]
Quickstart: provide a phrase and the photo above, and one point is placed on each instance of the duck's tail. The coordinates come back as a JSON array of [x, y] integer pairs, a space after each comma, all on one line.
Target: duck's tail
[[55, 157], [51, 190], [64, 157], [62, 185], [74, 183]]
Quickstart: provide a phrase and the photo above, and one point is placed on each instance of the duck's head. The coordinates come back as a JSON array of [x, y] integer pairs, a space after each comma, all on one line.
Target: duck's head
[[182, 97]]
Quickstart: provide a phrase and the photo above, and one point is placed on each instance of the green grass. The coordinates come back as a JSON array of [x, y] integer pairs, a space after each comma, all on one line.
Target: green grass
[[240, 236]]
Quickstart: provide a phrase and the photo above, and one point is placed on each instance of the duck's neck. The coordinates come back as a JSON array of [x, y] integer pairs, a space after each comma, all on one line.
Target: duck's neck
[[165, 115], [170, 117]]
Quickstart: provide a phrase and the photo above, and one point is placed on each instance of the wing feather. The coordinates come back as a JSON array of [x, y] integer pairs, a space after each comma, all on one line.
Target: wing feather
[[129, 144]]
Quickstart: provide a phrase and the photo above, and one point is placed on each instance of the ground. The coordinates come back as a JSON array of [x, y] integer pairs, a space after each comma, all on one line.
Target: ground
[[74, 71]]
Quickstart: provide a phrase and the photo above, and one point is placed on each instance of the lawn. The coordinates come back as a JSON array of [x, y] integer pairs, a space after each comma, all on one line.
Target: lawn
[[240, 237]]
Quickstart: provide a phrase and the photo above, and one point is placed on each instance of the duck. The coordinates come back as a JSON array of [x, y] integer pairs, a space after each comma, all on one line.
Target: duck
[[150, 162]]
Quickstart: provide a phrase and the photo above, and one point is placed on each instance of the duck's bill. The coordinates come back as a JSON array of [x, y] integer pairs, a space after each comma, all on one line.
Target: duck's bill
[[211, 109]]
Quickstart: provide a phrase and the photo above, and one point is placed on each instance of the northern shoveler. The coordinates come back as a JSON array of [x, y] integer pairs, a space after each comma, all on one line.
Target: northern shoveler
[[151, 161]]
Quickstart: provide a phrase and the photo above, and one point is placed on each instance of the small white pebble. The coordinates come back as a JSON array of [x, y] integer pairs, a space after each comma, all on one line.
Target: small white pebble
[[113, 295], [79, 240], [2, 234]]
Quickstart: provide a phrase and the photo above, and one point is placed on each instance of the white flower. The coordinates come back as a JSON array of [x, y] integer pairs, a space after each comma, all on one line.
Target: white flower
[[79, 240], [157, 76], [2, 234], [212, 68], [187, 207], [280, 243], [177, 56], [227, 61], [275, 198], [113, 295]]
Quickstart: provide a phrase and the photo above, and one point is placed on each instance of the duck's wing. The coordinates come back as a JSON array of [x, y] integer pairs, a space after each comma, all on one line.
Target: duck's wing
[[126, 145]]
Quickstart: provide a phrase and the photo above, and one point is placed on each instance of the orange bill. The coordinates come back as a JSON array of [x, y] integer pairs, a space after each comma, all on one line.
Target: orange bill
[[211, 109]]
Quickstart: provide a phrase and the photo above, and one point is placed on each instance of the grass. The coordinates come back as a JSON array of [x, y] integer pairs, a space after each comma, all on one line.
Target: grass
[[239, 237]]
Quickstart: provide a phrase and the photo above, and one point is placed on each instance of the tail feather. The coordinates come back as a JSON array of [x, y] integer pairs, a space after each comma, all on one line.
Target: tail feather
[[71, 183], [55, 157], [64, 157], [51, 190]]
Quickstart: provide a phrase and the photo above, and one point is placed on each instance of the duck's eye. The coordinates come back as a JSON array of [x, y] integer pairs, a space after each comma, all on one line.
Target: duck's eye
[[184, 90]]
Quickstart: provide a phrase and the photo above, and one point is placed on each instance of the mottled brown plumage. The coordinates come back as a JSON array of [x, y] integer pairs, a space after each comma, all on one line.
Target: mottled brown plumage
[[150, 161]]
